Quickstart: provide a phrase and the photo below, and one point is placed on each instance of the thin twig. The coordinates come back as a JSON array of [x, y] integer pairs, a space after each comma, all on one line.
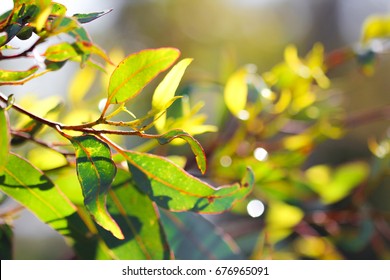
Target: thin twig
[[40, 142], [24, 53]]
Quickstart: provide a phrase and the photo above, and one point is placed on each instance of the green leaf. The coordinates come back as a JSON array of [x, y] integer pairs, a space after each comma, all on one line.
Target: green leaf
[[33, 189], [80, 34], [28, 13], [6, 238], [3, 38], [84, 18], [25, 33], [136, 71], [54, 66], [165, 91], [135, 214], [236, 91], [196, 148], [96, 171], [192, 237], [174, 189], [68, 182], [58, 10], [12, 30], [10, 76], [4, 19], [4, 139], [61, 52]]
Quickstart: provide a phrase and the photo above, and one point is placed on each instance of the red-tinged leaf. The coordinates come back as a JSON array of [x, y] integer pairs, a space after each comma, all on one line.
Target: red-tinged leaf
[[10, 76], [96, 171], [136, 71], [194, 144], [174, 189]]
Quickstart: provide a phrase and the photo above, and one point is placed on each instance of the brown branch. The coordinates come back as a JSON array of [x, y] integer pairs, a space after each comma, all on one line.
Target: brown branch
[[24, 53], [40, 142], [362, 118]]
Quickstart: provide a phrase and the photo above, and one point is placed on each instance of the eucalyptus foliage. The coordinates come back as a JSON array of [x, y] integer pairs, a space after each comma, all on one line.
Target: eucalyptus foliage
[[70, 166], [112, 210]]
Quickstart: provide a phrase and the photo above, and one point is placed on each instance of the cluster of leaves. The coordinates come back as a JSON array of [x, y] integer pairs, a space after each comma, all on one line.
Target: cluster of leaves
[[68, 164], [108, 201], [314, 211], [39, 21]]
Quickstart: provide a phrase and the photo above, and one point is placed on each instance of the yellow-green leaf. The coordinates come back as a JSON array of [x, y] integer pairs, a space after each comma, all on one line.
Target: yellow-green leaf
[[81, 84], [60, 52], [45, 10], [46, 159], [136, 71], [280, 220], [10, 76], [33, 189], [58, 10], [375, 27], [3, 38], [236, 91], [334, 185], [165, 91]]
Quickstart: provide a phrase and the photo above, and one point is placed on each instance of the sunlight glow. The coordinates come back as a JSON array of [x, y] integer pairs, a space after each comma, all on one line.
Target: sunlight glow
[[255, 208]]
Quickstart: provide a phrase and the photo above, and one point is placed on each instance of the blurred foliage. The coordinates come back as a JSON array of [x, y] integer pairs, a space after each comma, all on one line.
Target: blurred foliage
[[103, 198], [121, 204], [278, 119]]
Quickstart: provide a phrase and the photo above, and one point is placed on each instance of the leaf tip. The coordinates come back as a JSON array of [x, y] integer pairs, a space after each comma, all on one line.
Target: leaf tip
[[248, 180]]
